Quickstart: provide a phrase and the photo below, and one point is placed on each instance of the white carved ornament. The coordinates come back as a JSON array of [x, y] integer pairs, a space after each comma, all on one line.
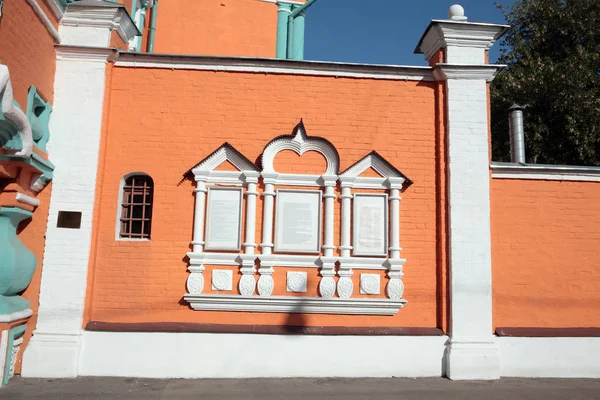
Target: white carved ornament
[[14, 114], [390, 176], [224, 153], [300, 143]]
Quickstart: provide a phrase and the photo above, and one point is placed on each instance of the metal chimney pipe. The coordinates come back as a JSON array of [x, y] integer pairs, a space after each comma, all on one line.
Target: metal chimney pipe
[[517, 134]]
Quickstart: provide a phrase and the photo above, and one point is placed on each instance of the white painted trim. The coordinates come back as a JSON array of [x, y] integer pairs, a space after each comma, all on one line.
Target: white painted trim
[[299, 3], [487, 72], [274, 66], [56, 8], [210, 355], [293, 304], [16, 316], [45, 20], [83, 53], [389, 177], [564, 357], [545, 172], [32, 201], [3, 354], [293, 179]]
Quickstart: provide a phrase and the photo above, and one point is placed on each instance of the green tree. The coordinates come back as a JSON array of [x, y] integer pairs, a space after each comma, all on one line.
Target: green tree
[[553, 55]]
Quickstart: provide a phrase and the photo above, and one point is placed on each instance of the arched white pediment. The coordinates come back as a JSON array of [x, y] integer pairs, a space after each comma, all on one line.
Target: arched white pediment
[[300, 143]]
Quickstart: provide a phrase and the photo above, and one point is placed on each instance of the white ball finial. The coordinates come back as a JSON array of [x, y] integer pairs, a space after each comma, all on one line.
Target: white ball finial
[[456, 12]]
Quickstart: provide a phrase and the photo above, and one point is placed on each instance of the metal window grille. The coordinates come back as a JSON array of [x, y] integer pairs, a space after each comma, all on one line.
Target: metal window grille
[[136, 208]]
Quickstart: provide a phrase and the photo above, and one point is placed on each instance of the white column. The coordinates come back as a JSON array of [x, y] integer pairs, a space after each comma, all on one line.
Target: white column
[[346, 220], [329, 197], [247, 283], [345, 286], [195, 280], [265, 281], [395, 286], [199, 207], [471, 352], [327, 285], [80, 80], [267, 236], [74, 146], [395, 223]]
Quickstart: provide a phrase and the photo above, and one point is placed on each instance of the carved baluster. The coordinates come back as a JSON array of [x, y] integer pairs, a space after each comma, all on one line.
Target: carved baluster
[[195, 281], [395, 287], [248, 282], [265, 282], [345, 286], [327, 286]]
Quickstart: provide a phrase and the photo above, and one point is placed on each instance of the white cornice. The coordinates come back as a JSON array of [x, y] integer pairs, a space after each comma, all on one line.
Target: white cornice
[[486, 72], [275, 66], [443, 33], [292, 260], [545, 172], [110, 17], [92, 54], [294, 304]]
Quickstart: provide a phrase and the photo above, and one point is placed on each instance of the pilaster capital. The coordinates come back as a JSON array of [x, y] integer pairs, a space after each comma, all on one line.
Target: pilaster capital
[[96, 14]]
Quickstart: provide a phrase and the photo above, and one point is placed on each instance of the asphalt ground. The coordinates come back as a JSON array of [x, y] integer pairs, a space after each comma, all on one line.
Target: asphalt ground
[[299, 389]]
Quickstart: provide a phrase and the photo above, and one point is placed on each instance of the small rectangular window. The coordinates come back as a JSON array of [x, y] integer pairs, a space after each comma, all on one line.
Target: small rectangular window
[[136, 207], [69, 219]]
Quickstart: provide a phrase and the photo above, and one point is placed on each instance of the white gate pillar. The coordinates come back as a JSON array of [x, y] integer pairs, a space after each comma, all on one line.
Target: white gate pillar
[[470, 352]]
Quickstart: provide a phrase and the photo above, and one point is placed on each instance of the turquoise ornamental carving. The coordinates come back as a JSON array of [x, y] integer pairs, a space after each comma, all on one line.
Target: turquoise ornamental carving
[[38, 114], [9, 133], [17, 262]]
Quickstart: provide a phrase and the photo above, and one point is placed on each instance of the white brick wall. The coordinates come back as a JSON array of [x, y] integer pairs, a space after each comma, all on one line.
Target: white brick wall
[[74, 146], [465, 55], [472, 353]]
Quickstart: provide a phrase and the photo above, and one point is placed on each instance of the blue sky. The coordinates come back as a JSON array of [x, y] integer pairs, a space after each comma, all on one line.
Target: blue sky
[[382, 31]]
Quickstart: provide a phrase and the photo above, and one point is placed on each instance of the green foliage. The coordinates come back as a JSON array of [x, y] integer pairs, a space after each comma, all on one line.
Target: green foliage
[[553, 55]]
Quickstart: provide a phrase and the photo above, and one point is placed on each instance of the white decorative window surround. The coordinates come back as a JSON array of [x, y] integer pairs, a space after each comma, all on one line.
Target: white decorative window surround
[[224, 219], [370, 225], [296, 282], [257, 296], [205, 174], [370, 284], [298, 221], [391, 180], [222, 279]]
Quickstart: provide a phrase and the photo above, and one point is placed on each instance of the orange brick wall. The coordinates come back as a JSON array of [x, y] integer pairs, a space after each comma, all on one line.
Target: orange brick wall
[[216, 27], [27, 49], [163, 122], [545, 253]]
